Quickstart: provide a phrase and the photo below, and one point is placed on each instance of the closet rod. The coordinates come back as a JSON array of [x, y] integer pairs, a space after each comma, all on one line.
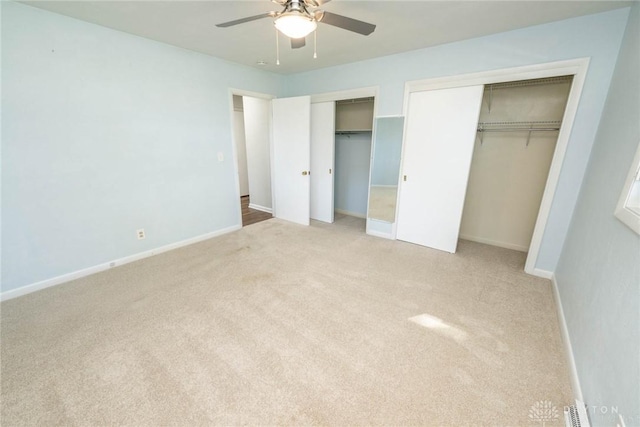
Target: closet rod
[[351, 132], [521, 125]]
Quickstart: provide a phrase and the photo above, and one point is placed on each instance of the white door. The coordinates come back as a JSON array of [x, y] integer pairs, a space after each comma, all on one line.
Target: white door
[[323, 125], [241, 151], [291, 158], [440, 134]]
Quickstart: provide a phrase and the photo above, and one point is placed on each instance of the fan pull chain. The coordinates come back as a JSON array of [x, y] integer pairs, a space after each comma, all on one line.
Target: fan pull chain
[[277, 49], [315, 44]]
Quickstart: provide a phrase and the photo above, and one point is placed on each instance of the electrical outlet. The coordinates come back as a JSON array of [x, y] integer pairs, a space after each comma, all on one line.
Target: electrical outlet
[[140, 234]]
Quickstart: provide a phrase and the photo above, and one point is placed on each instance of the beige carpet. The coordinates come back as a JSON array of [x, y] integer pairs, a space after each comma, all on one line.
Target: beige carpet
[[289, 325]]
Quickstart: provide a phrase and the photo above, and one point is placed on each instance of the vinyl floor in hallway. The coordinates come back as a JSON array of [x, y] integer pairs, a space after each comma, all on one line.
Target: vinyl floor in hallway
[[251, 216]]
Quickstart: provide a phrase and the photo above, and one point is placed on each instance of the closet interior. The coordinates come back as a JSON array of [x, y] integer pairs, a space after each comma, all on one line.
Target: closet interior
[[515, 144], [353, 135]]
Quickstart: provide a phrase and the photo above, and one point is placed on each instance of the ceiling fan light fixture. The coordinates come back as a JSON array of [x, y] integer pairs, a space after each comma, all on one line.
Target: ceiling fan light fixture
[[295, 25]]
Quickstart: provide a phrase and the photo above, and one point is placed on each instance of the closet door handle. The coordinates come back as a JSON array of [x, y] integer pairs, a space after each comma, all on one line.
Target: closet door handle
[[405, 178], [330, 172]]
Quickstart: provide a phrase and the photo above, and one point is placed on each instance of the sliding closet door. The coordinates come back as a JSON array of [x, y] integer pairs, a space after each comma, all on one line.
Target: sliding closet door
[[291, 158], [440, 134], [323, 118]]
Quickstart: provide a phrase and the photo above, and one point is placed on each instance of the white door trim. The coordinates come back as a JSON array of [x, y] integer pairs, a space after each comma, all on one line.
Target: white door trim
[[576, 67], [363, 92], [241, 92]]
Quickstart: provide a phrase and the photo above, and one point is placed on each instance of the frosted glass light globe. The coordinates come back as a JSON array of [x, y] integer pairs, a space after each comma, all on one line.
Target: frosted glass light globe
[[295, 25]]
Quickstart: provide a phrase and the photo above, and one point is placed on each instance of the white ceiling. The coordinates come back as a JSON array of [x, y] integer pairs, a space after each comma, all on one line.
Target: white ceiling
[[401, 26]]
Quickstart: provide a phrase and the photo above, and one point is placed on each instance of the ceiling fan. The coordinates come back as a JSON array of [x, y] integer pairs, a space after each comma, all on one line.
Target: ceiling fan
[[299, 18]]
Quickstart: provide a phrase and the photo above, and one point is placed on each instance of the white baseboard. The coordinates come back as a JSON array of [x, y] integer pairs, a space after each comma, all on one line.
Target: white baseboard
[[380, 234], [260, 208], [27, 289], [573, 371], [343, 212], [505, 245], [538, 272]]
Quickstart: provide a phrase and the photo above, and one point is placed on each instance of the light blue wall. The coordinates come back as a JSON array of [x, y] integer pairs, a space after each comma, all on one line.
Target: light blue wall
[[353, 156], [595, 36], [599, 270], [104, 133]]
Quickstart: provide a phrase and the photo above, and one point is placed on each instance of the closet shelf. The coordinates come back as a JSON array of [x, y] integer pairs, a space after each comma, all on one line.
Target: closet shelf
[[532, 82], [548, 125], [523, 83], [533, 126], [369, 99]]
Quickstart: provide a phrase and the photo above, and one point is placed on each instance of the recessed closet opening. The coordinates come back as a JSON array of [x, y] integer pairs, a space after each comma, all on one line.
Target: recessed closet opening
[[515, 144], [341, 142], [251, 140], [353, 137]]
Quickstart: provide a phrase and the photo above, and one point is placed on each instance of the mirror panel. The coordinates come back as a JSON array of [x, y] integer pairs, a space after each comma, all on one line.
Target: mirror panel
[[385, 168]]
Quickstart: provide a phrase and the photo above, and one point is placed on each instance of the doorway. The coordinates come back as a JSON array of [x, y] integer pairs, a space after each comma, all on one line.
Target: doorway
[[251, 115], [354, 126], [341, 139]]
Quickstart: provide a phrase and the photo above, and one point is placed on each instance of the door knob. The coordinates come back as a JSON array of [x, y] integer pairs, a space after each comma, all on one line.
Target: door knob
[[305, 173]]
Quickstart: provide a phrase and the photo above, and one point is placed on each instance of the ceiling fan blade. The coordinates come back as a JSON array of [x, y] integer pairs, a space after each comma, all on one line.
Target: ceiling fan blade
[[343, 22], [243, 20], [297, 43]]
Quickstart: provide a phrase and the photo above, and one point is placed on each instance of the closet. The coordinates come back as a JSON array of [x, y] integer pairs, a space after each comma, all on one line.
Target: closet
[[515, 142], [476, 160], [353, 131]]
